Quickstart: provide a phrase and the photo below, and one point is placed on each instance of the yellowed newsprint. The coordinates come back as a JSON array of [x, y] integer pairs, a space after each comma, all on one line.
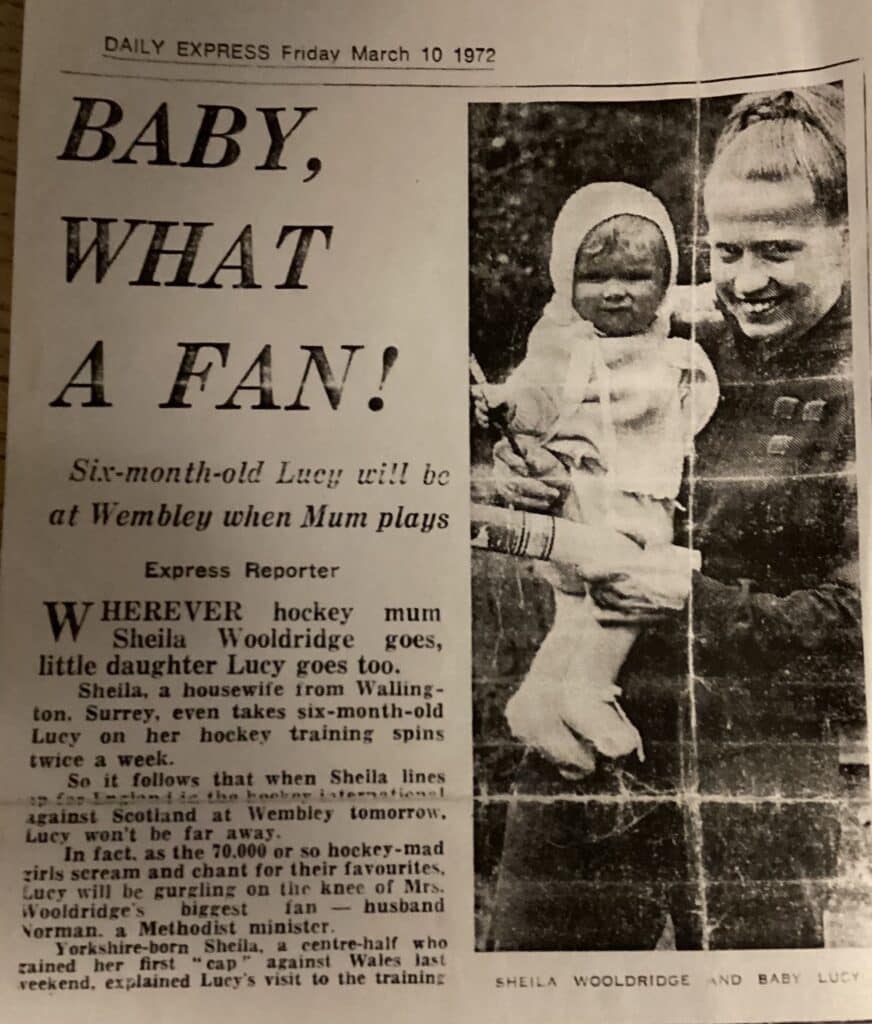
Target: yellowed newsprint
[[435, 554]]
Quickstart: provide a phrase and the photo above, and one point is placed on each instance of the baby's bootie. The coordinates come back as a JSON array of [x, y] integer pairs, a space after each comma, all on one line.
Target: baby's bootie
[[533, 715], [588, 701], [593, 711]]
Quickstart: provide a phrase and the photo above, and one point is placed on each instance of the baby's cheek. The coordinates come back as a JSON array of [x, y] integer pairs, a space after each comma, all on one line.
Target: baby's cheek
[[584, 302]]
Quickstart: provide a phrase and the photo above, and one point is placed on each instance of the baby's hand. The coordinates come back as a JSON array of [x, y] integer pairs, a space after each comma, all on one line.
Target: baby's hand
[[536, 480], [488, 399]]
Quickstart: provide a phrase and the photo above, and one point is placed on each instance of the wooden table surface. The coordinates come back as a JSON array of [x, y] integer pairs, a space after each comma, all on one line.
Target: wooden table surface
[[11, 18]]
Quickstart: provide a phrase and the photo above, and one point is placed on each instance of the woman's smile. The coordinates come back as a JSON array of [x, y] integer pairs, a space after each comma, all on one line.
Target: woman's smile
[[760, 309], [777, 265]]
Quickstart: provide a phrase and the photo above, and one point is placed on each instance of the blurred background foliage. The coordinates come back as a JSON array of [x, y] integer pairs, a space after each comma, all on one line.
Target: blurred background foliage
[[526, 159]]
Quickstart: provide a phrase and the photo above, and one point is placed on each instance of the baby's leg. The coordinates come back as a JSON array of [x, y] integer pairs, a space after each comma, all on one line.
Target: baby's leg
[[567, 704], [648, 520], [535, 712], [589, 701]]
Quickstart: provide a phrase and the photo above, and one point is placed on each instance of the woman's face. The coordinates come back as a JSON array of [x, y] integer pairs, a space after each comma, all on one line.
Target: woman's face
[[777, 264]]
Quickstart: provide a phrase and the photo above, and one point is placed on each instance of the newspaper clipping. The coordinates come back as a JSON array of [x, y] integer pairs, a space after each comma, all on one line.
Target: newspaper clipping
[[434, 559]]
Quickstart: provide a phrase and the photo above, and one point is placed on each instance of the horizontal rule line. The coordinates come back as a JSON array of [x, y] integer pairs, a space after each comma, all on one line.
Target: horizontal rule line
[[697, 478], [761, 382], [285, 84], [844, 884], [365, 66], [462, 85], [689, 797]]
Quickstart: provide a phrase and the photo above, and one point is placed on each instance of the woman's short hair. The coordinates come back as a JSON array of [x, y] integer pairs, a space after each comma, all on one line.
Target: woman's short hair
[[789, 133]]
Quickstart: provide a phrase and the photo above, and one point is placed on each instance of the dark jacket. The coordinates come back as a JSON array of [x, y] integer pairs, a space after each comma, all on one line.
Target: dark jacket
[[763, 686], [772, 505], [746, 702]]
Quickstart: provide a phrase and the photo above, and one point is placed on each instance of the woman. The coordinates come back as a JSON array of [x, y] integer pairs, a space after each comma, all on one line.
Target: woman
[[731, 825]]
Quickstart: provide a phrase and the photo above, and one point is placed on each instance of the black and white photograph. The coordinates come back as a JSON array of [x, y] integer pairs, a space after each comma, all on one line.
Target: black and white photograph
[[669, 709]]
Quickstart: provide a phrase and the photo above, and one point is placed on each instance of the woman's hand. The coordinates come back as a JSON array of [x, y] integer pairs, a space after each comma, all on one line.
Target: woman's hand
[[490, 398], [656, 583], [537, 482]]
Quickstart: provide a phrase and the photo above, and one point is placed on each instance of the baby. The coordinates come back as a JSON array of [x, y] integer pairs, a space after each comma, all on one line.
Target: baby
[[608, 392]]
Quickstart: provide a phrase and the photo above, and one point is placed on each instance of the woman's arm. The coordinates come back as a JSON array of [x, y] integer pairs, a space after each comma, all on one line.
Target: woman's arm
[[733, 625]]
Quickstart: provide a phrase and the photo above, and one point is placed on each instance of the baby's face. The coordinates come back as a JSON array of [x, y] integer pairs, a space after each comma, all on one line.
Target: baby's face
[[621, 274]]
